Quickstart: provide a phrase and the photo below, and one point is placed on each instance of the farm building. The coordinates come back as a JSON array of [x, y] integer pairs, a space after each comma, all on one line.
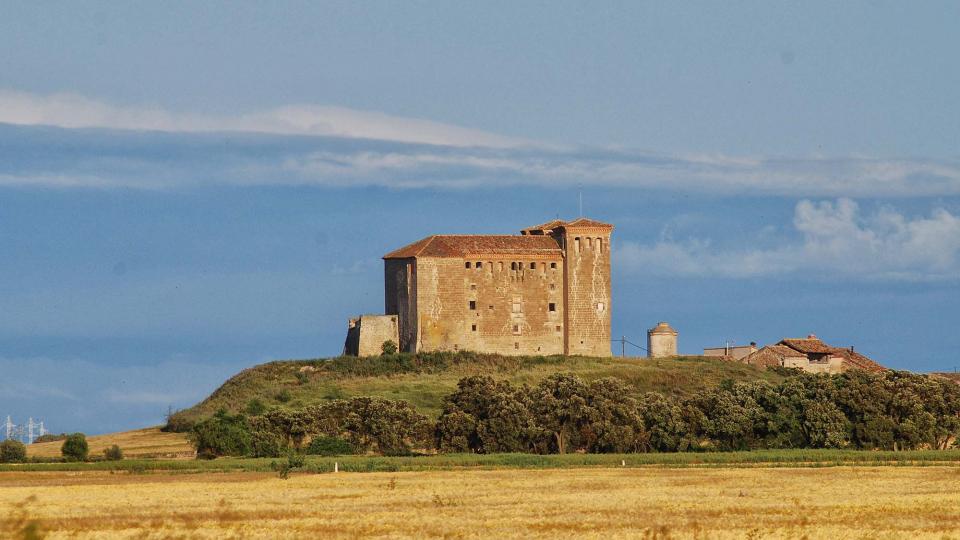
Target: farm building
[[812, 355]]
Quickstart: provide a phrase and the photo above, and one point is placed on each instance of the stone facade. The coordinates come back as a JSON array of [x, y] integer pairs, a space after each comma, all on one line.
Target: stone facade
[[545, 291], [661, 341], [366, 334]]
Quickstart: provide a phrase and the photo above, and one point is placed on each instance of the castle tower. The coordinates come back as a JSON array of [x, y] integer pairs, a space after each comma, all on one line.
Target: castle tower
[[586, 286], [661, 341]]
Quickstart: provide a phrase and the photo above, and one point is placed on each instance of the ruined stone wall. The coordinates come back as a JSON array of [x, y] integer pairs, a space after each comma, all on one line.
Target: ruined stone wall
[[501, 305], [366, 334], [587, 286], [400, 299]]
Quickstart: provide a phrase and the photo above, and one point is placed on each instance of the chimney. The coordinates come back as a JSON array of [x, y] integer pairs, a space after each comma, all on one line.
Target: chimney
[[812, 336]]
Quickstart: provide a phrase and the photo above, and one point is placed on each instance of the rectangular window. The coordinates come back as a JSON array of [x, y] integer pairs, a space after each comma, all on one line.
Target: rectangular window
[[516, 329], [516, 344], [517, 306], [558, 329], [479, 264], [473, 305], [576, 244], [501, 266], [600, 245], [473, 286], [551, 306], [553, 266], [553, 286], [589, 243], [466, 264], [533, 266], [513, 265], [473, 327], [600, 307]]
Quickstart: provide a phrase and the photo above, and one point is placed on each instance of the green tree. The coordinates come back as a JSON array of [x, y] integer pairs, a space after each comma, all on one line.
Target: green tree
[[560, 405], [75, 447], [221, 435], [12, 451], [393, 427], [614, 420]]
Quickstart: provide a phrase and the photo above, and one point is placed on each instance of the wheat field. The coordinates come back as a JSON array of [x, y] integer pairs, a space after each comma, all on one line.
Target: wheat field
[[834, 503], [139, 443]]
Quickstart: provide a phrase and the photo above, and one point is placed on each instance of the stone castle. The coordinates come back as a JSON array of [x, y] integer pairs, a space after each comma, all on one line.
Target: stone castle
[[544, 291]]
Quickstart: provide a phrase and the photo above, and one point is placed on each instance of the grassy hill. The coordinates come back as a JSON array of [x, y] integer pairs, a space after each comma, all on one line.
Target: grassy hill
[[424, 379]]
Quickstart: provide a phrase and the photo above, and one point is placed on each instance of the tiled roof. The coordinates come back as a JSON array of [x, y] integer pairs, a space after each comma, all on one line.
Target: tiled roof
[[808, 345], [443, 245], [579, 222], [769, 356], [585, 222], [856, 360]]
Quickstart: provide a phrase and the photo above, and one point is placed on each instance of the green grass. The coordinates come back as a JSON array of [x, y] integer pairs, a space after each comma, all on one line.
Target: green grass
[[424, 379], [757, 458]]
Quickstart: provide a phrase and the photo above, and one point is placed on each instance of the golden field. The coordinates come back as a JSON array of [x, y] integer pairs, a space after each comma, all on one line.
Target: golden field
[[834, 503], [139, 443]]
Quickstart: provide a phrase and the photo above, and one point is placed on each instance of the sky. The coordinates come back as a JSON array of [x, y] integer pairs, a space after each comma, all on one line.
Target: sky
[[189, 189]]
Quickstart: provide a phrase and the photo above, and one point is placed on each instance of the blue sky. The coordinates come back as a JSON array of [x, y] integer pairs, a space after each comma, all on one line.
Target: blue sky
[[187, 190]]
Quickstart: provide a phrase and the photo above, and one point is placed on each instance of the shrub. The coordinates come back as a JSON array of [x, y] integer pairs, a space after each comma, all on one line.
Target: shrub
[[283, 396], [114, 453], [12, 451], [75, 447], [389, 347], [265, 443], [50, 437], [255, 407], [329, 446], [221, 435]]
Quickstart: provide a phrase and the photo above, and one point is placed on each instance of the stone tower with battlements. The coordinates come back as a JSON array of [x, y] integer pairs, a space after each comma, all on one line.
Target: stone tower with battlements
[[545, 291]]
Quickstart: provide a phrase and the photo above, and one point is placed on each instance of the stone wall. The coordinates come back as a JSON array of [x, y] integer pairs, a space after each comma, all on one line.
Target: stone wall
[[400, 299], [366, 334], [587, 290], [491, 303]]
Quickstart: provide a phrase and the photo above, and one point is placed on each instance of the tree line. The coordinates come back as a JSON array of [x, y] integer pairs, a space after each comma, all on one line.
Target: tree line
[[893, 410]]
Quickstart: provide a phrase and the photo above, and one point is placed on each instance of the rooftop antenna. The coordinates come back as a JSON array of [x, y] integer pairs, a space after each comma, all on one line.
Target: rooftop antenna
[[580, 197]]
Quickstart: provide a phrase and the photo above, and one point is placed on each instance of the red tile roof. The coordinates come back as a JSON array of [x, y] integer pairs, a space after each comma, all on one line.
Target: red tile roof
[[557, 224], [443, 245], [808, 345]]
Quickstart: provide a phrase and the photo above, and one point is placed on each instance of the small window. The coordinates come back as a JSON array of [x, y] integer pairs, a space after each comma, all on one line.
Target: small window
[[589, 243], [516, 344], [576, 244], [473, 305], [479, 264], [490, 307], [517, 306], [600, 245], [533, 266], [513, 266], [553, 266], [466, 264], [600, 307], [516, 329], [558, 329], [501, 266], [553, 286], [551, 306], [473, 327], [473, 286]]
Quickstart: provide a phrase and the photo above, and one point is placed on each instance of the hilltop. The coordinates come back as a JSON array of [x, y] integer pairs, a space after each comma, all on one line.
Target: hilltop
[[424, 379]]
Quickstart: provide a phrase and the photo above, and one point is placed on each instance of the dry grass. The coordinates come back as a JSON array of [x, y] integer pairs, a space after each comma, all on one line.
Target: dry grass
[[140, 443], [834, 503]]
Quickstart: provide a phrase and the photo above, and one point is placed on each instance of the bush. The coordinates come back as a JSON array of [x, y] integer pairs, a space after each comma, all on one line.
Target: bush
[[75, 447], [255, 407], [12, 451], [389, 347], [114, 453], [221, 435], [283, 396], [329, 446], [51, 437], [264, 443]]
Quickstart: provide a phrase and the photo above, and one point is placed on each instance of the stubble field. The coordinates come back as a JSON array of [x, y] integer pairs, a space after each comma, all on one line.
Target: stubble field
[[832, 502]]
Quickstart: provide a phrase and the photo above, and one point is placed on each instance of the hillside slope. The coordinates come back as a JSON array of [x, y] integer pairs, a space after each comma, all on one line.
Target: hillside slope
[[424, 379], [140, 443]]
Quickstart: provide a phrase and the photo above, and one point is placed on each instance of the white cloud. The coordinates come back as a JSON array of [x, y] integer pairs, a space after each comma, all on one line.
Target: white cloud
[[344, 147], [74, 111], [835, 239]]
